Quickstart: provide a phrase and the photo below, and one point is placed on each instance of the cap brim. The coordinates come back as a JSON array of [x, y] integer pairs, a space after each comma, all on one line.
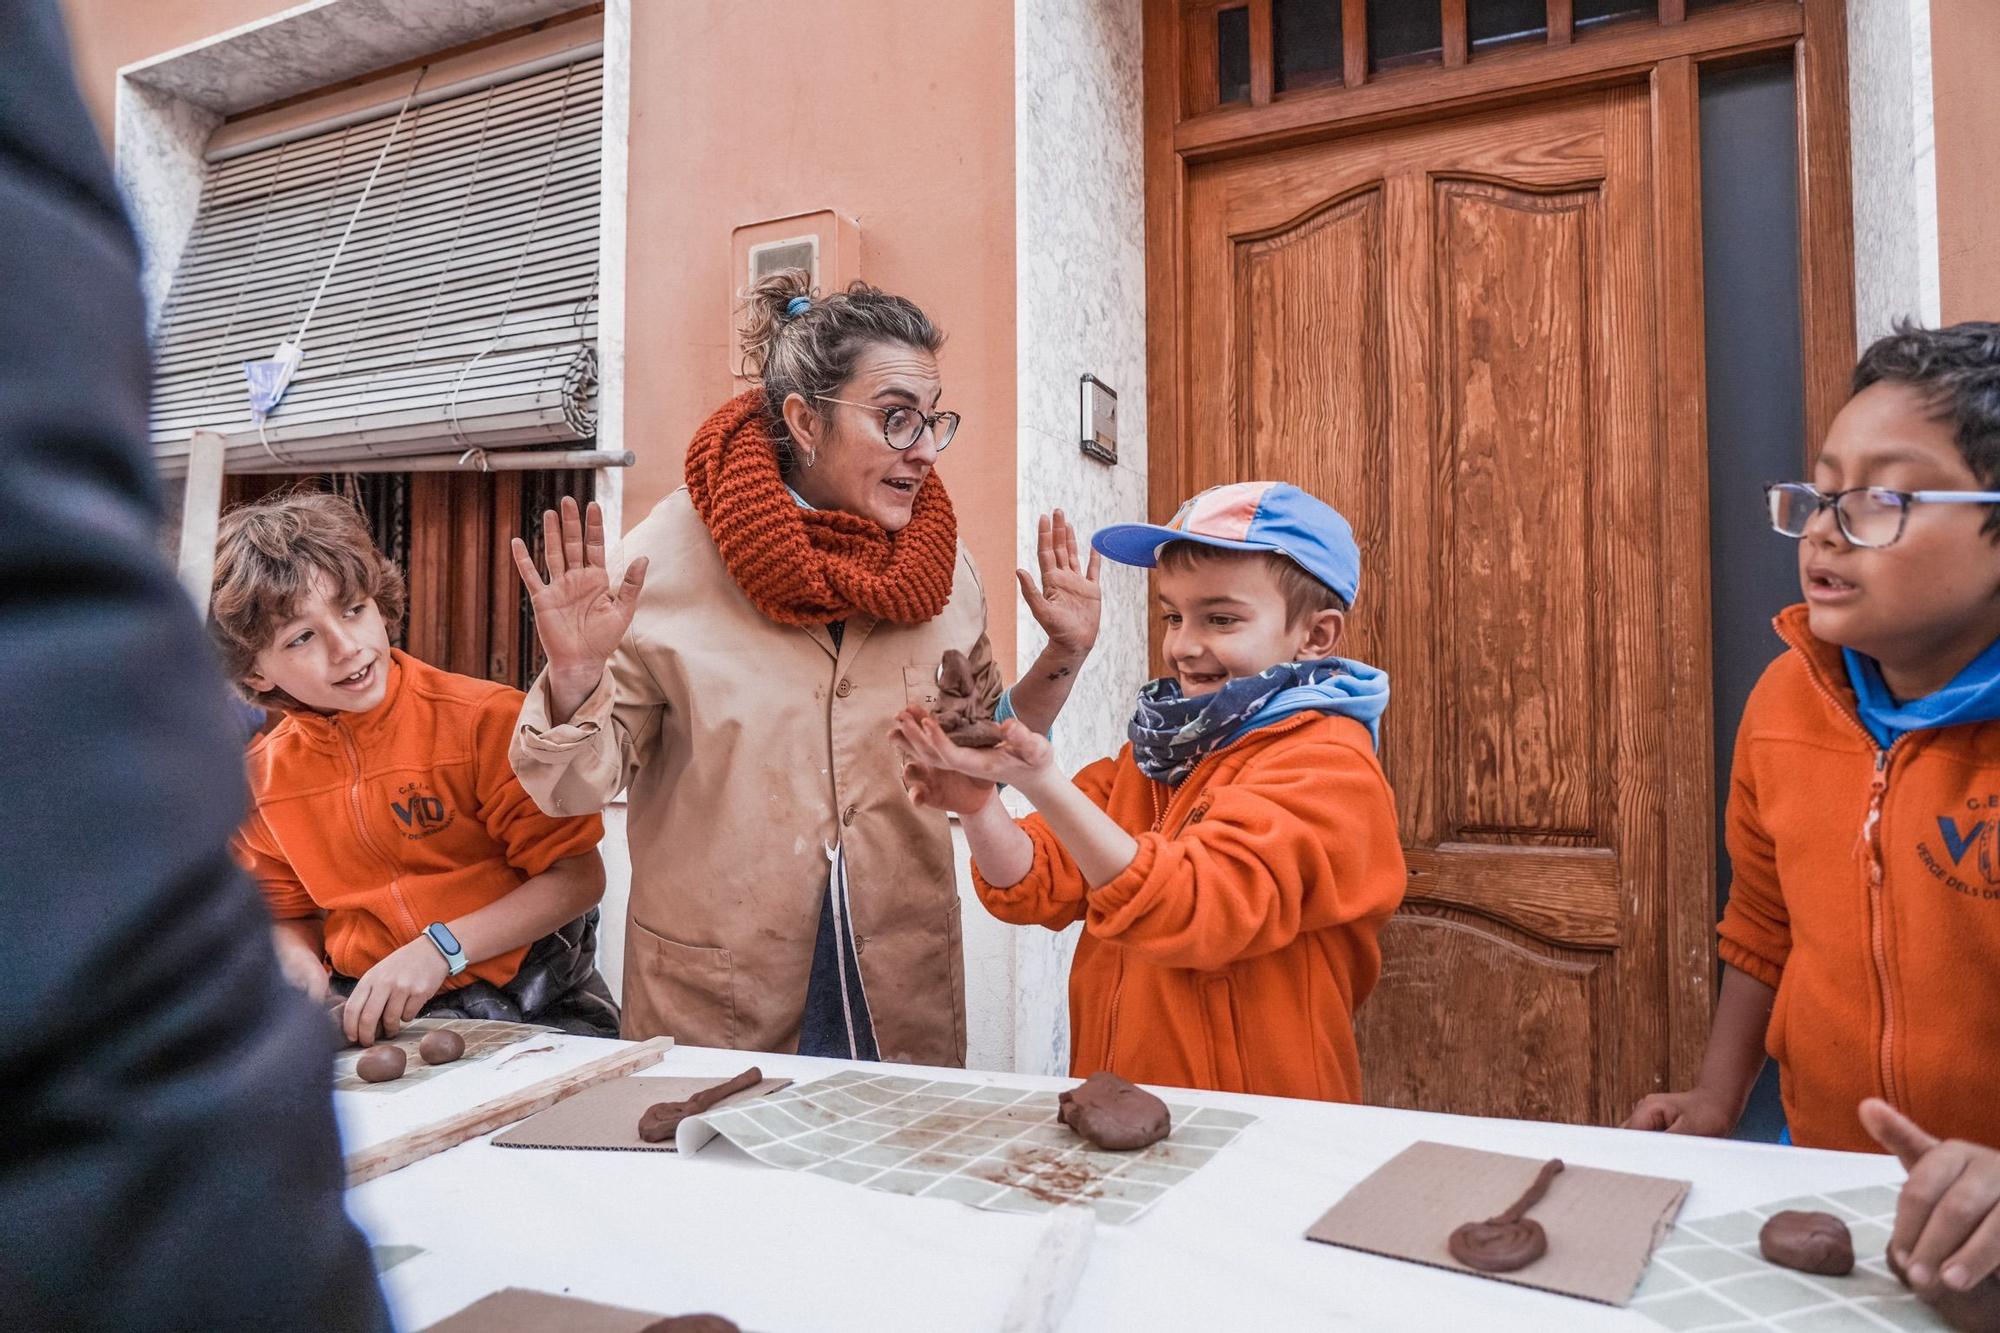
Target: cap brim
[[1139, 543]]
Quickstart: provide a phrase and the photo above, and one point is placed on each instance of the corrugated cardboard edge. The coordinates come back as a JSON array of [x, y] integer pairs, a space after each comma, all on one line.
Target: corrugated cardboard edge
[[1661, 1226]]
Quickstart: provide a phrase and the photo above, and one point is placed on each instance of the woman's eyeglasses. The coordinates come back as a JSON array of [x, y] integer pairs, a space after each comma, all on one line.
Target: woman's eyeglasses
[[904, 426], [1870, 516]]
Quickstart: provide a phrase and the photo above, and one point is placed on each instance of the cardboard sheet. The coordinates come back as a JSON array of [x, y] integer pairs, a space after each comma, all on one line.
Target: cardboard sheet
[[606, 1116], [518, 1310], [1602, 1225]]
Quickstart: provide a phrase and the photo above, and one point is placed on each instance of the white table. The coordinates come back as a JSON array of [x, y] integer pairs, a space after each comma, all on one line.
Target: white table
[[782, 1252]]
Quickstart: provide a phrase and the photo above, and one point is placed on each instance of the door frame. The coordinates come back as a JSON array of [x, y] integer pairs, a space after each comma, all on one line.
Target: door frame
[[1183, 128]]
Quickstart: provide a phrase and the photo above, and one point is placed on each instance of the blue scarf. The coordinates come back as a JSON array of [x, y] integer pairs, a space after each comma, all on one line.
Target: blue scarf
[[1973, 695], [1171, 732]]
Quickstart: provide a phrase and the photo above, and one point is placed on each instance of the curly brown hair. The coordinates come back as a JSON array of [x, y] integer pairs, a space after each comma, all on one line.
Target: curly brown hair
[[813, 352], [269, 555]]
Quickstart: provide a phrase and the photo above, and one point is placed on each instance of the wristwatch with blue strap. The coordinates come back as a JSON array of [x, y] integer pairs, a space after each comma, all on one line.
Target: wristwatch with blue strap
[[447, 944]]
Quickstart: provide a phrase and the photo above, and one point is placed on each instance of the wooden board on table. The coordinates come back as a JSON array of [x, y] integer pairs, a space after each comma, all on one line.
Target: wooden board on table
[[399, 1152]]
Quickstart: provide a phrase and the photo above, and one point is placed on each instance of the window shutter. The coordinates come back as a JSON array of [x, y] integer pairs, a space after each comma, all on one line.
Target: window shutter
[[462, 312]]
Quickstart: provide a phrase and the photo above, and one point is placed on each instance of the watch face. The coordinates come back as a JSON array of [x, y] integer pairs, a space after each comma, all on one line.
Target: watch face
[[441, 936]]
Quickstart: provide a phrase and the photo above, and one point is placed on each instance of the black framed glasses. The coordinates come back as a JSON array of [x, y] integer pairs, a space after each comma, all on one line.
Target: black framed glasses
[[904, 426], [1870, 516]]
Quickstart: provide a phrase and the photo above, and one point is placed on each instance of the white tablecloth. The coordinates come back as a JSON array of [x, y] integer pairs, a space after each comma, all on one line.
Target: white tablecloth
[[782, 1252]]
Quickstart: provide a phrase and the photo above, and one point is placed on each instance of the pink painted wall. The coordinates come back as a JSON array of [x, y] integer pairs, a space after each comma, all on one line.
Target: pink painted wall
[[897, 113], [1965, 62]]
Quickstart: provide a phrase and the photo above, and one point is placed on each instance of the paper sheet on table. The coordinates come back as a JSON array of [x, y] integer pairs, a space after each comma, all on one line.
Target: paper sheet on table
[[1601, 1225], [607, 1116], [985, 1144], [1710, 1275], [482, 1037]]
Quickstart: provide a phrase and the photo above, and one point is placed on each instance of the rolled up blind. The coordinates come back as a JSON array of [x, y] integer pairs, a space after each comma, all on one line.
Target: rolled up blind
[[461, 313]]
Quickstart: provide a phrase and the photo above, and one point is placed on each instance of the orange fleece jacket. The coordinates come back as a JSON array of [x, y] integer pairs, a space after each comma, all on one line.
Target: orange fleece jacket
[[1866, 888], [403, 815], [1233, 951]]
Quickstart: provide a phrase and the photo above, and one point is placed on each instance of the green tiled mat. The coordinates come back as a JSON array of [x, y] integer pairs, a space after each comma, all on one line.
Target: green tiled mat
[[986, 1145], [1708, 1277]]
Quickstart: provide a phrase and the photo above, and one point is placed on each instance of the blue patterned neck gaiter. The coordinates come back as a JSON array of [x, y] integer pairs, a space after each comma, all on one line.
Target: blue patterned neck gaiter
[[1171, 732]]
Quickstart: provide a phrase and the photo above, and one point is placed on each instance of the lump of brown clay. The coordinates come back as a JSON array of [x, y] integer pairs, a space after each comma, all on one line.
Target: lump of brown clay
[[1975, 1311], [692, 1323], [336, 1009], [1809, 1242], [1511, 1240], [959, 713], [381, 1064], [1113, 1114], [441, 1047], [663, 1119]]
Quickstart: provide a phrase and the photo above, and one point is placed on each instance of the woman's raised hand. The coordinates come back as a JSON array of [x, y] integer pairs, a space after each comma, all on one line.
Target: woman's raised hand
[[579, 616], [1069, 602]]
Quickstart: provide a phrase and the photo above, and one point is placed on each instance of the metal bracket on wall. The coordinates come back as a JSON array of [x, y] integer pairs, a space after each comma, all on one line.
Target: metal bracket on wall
[[1097, 419]]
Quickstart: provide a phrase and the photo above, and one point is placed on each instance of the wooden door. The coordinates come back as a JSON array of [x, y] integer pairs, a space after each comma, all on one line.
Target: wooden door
[[1450, 331]]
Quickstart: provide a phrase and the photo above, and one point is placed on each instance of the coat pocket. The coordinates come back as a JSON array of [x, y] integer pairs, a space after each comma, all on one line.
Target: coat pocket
[[677, 990], [1225, 1051], [920, 686]]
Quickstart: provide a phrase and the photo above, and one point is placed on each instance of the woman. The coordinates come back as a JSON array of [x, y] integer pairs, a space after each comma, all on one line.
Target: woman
[[786, 894]]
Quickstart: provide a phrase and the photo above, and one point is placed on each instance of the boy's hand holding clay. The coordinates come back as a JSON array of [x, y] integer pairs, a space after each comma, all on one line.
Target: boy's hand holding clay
[[1946, 1243], [1018, 758]]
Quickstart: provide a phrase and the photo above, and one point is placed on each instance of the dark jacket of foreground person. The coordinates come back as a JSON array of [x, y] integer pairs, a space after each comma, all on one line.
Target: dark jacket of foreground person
[[167, 1147]]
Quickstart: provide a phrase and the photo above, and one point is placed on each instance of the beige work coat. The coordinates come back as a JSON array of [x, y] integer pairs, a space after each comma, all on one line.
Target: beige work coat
[[749, 749]]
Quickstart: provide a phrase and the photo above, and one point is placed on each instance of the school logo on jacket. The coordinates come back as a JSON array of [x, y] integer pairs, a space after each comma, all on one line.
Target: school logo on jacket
[[420, 814], [1967, 860]]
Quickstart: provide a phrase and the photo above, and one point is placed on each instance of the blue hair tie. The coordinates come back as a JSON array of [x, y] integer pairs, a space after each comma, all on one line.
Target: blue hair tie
[[797, 306]]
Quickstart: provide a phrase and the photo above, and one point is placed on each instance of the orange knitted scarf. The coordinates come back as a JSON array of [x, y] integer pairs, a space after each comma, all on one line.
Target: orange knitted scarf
[[810, 566]]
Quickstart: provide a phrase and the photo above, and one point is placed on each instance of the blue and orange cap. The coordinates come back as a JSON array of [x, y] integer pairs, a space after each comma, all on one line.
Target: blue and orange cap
[[1249, 516]]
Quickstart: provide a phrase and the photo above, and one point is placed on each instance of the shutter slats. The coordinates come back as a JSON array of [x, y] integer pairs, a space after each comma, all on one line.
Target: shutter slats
[[460, 313]]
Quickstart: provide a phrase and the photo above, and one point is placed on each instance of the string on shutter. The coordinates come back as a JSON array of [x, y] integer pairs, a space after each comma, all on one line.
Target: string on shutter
[[462, 313]]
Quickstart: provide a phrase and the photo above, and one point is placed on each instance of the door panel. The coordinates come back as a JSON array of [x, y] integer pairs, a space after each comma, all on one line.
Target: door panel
[[1449, 331]]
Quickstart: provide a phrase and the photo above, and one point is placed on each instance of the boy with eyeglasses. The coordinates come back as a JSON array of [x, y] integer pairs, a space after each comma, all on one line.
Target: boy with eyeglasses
[[1861, 943]]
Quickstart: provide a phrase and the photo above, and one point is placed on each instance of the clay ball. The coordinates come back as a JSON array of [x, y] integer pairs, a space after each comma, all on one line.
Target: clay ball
[[692, 1323], [1809, 1242], [1113, 1114], [441, 1047], [381, 1064]]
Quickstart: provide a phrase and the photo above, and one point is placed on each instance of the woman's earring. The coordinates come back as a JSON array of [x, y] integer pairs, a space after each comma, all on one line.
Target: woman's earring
[[810, 458]]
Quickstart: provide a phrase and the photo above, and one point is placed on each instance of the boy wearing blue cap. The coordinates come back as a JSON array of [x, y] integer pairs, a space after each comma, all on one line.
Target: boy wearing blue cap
[[1234, 864]]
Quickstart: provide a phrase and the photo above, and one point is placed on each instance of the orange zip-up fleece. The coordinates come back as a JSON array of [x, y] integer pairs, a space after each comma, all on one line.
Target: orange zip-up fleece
[[1866, 888], [403, 815], [1233, 951]]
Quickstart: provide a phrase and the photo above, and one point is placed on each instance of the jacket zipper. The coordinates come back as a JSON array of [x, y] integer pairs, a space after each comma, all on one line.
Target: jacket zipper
[[1160, 813], [1872, 828], [361, 827], [1871, 836]]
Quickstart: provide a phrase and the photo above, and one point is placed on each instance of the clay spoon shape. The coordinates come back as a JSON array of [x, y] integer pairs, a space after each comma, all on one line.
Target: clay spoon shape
[[1512, 1240], [663, 1118]]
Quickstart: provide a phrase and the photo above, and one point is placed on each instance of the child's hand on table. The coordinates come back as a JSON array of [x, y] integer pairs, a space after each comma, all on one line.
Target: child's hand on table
[[394, 991], [1017, 761], [305, 971], [1696, 1111], [1948, 1217]]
